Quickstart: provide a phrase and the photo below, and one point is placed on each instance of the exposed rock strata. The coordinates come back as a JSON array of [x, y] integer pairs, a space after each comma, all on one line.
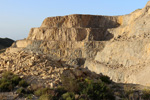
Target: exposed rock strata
[[126, 57]]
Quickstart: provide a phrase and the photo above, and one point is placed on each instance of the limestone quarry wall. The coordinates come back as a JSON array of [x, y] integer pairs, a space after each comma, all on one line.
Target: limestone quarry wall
[[126, 57], [67, 34], [78, 21]]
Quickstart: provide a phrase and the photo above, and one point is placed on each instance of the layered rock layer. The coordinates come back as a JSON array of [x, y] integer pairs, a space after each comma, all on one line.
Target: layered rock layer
[[71, 38]]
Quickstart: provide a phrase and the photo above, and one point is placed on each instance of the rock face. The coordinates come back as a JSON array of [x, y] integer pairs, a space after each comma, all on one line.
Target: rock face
[[71, 38], [126, 57], [74, 28], [117, 46]]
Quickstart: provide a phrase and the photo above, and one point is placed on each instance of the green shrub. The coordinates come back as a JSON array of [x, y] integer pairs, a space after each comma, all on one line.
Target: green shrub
[[96, 90], [45, 97], [4, 80], [21, 91], [29, 96], [59, 91], [8, 81], [7, 75], [24, 93], [105, 79], [81, 99], [23, 83], [38, 92], [42, 91], [128, 92], [6, 86], [70, 84], [68, 96], [146, 94], [15, 79]]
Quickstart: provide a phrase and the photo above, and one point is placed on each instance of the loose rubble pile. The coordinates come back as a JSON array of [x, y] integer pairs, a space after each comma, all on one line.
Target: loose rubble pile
[[39, 68], [36, 67]]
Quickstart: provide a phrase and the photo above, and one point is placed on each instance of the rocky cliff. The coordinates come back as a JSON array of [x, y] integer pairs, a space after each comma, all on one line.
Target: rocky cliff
[[125, 58], [117, 46]]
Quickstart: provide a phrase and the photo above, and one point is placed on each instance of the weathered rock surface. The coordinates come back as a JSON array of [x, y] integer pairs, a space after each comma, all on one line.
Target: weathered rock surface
[[126, 57], [68, 34], [83, 21], [117, 46]]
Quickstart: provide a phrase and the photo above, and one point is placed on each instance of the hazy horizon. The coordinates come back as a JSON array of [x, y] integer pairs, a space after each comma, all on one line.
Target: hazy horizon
[[18, 17]]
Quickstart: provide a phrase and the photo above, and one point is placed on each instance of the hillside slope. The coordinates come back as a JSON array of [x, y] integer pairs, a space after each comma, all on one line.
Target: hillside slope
[[117, 46], [5, 43]]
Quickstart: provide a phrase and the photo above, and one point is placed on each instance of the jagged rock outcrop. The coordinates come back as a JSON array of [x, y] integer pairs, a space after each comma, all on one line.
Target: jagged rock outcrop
[[117, 46]]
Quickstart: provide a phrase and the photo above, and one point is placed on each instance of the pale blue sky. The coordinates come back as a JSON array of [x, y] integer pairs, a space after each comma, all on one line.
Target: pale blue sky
[[18, 16]]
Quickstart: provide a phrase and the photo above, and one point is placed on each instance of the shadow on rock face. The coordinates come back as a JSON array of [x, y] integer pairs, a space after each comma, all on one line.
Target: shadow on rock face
[[100, 34], [108, 36]]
